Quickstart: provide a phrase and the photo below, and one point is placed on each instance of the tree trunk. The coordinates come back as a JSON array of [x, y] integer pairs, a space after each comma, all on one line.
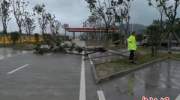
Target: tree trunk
[[20, 32], [169, 43]]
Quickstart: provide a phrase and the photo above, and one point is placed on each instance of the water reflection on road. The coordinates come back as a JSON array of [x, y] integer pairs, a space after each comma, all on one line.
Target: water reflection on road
[[9, 51], [158, 80]]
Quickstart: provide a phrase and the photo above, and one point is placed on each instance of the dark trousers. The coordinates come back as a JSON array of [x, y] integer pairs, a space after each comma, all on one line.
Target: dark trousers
[[131, 56]]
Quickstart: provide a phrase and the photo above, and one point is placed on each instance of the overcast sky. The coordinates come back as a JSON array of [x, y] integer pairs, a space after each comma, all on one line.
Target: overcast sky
[[74, 12]]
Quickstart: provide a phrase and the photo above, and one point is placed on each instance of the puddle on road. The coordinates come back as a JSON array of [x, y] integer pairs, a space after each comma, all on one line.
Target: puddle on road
[[159, 80], [9, 51]]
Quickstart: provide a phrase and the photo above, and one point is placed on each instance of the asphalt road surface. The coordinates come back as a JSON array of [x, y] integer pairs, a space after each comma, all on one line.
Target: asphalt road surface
[[26, 76], [31, 77]]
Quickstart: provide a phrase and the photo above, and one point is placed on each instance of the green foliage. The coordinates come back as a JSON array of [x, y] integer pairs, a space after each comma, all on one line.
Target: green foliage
[[92, 4], [39, 8], [5, 12], [139, 37], [29, 23], [15, 36], [115, 36], [19, 11], [123, 65], [36, 37], [42, 16], [72, 47], [169, 9], [177, 27], [1, 32], [78, 49], [154, 32]]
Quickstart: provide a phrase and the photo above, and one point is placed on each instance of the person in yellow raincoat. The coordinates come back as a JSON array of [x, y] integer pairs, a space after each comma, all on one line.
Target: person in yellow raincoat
[[132, 46]]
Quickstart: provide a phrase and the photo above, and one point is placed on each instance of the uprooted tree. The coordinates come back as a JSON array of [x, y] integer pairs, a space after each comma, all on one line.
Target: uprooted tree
[[54, 26]]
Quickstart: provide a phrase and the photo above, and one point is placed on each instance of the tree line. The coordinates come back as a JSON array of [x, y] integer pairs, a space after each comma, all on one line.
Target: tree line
[[107, 13], [26, 20]]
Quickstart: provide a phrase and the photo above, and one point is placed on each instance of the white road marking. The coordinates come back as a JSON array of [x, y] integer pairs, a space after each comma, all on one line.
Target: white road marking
[[17, 69], [90, 60], [82, 92], [1, 57], [100, 94], [9, 55], [178, 97]]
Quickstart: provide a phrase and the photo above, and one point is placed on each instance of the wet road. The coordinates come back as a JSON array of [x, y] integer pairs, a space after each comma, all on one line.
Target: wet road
[[30, 77], [25, 76], [159, 80]]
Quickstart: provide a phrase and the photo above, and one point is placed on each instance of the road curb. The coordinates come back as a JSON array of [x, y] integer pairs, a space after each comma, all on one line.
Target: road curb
[[123, 73], [94, 72], [74, 53]]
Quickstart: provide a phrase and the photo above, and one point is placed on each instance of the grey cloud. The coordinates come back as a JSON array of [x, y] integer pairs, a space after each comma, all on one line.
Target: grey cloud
[[74, 12]]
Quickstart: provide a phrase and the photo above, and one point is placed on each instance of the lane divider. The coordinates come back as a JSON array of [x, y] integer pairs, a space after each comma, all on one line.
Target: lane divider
[[82, 92], [17, 69], [91, 62], [100, 94], [1, 57]]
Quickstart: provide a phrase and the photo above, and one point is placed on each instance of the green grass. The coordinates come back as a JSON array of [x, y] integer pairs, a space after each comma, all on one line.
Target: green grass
[[120, 65], [176, 55]]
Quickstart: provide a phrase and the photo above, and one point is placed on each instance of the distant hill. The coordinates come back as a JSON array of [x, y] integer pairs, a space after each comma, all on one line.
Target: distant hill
[[138, 28]]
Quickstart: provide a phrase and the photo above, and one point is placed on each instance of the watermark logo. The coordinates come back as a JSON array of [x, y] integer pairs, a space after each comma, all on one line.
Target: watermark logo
[[155, 98]]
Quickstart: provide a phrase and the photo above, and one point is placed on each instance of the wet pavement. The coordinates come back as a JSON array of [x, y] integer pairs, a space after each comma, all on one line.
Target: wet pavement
[[99, 57], [158, 80], [57, 77], [8, 52], [47, 77]]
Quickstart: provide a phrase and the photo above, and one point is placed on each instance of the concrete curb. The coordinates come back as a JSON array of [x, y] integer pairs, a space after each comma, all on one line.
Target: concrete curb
[[119, 53], [123, 73], [94, 72], [74, 53]]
